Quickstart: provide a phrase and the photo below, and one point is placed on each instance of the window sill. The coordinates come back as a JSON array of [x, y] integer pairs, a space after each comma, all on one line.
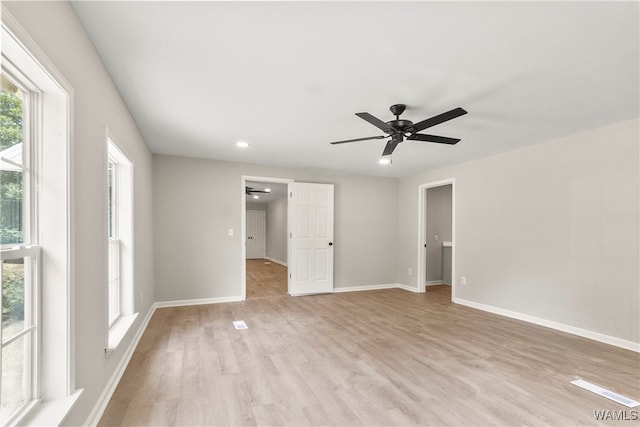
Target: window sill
[[50, 412], [118, 330]]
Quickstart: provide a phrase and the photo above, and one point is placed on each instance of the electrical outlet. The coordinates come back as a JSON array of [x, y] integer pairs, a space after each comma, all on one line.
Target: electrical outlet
[[463, 280], [410, 271], [230, 232], [436, 238]]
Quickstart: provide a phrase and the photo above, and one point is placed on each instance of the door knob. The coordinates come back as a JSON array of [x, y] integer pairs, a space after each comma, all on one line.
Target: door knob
[[330, 243]]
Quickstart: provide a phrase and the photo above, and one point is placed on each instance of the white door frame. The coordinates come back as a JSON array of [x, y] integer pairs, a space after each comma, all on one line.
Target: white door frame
[[243, 221], [421, 270]]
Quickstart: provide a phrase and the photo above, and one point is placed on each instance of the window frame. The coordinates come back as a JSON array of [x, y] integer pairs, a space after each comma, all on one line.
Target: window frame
[[121, 242], [29, 248], [55, 392], [113, 248]]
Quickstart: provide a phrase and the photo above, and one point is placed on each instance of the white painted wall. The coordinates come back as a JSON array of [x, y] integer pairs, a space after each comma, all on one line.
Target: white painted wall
[[277, 230], [55, 28], [550, 231], [196, 201], [252, 206]]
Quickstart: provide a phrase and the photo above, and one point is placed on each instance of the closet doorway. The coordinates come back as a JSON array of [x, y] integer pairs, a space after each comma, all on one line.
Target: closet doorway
[[265, 203], [436, 263]]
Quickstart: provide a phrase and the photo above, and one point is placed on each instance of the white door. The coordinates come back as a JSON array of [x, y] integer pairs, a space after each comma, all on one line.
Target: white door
[[256, 234], [311, 238]]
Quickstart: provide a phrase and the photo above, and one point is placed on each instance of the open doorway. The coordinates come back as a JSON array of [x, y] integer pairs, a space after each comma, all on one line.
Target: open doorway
[[264, 233], [436, 264]]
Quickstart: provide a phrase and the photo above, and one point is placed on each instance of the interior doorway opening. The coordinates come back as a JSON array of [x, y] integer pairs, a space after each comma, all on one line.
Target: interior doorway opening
[[436, 242], [264, 236]]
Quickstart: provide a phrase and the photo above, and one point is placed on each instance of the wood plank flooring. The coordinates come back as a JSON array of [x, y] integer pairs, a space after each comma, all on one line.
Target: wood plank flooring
[[379, 358], [265, 278]]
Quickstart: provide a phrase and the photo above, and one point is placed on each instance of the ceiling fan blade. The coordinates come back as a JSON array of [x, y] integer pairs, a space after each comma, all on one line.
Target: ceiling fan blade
[[249, 191], [359, 139], [433, 138], [376, 122], [388, 149], [436, 120]]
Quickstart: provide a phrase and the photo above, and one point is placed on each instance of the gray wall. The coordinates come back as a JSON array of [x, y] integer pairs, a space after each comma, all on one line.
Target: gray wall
[[196, 201], [438, 223], [252, 206], [550, 230], [96, 104], [277, 229]]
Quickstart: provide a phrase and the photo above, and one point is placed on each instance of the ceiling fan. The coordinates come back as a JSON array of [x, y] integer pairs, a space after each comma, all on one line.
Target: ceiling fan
[[249, 191], [399, 129]]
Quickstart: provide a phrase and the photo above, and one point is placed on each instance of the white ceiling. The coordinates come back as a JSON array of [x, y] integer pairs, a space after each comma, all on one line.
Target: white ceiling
[[287, 77], [278, 191]]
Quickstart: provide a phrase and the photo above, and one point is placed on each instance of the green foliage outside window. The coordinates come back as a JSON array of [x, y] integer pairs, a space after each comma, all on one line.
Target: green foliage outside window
[[11, 204], [12, 292]]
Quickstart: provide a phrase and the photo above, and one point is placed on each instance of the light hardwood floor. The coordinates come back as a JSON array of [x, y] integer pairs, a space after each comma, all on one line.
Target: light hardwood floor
[[265, 278], [387, 357]]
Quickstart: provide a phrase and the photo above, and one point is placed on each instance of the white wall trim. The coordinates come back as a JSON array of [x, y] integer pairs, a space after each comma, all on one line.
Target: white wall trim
[[409, 288], [110, 387], [277, 261], [433, 282], [199, 301], [596, 336], [365, 288]]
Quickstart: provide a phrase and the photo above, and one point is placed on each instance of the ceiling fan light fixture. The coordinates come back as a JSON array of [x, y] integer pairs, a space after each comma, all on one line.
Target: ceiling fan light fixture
[[256, 197], [385, 160], [268, 190], [242, 144]]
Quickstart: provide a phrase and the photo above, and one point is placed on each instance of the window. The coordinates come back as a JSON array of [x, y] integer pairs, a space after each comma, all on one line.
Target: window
[[120, 243], [20, 250], [37, 362], [114, 244]]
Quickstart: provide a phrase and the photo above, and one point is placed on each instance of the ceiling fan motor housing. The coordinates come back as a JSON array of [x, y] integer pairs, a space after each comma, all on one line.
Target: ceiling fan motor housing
[[400, 125]]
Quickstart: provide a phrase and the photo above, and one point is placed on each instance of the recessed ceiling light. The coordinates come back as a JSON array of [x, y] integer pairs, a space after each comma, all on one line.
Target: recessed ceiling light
[[256, 197], [268, 190], [385, 160], [242, 144]]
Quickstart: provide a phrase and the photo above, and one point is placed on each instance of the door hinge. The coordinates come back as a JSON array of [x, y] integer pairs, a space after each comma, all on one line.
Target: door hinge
[[289, 275], [290, 235], [291, 194]]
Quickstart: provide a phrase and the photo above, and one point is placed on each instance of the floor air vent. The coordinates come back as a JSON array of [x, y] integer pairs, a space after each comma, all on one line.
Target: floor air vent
[[239, 324], [606, 393]]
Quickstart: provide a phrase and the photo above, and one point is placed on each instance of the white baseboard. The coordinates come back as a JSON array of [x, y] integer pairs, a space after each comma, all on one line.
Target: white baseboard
[[407, 288], [433, 282], [105, 396], [365, 288], [277, 261], [596, 336], [199, 301]]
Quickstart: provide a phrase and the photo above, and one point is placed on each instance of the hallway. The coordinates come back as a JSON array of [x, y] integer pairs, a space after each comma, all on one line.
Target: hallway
[[265, 278]]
